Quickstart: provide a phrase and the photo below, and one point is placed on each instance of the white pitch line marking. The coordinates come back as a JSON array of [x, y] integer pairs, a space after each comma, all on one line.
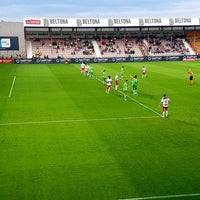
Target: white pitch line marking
[[165, 197], [73, 120], [11, 89]]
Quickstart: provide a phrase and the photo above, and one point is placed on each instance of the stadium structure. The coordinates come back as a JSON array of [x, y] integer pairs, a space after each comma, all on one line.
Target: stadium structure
[[46, 40]]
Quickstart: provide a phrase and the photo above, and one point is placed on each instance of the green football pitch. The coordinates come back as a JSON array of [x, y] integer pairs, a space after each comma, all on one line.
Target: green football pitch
[[62, 137]]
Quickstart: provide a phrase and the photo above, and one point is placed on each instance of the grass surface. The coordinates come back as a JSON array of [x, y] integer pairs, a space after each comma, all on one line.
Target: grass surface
[[63, 137]]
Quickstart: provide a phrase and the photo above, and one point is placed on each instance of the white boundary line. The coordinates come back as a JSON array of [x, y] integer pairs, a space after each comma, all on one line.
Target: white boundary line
[[11, 89], [165, 197], [73, 120], [141, 104]]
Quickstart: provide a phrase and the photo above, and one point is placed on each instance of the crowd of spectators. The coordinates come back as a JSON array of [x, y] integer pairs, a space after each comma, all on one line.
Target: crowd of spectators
[[125, 46], [110, 46], [60, 46], [131, 43], [160, 45], [113, 45], [84, 46]]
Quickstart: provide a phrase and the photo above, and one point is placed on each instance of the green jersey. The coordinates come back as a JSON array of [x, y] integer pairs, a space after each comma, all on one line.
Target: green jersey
[[104, 75], [91, 69], [134, 82], [125, 86], [122, 71]]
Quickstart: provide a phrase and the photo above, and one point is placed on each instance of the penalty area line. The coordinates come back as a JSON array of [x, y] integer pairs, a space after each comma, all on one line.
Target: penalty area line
[[165, 197], [73, 120]]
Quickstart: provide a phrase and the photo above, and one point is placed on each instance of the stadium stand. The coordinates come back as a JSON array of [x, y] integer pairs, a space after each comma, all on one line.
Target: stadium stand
[[193, 38], [85, 48], [101, 42], [167, 46], [62, 48], [110, 47]]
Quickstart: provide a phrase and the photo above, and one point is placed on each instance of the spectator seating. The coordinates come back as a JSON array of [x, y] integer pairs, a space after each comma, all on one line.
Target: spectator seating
[[193, 38], [166, 46], [112, 47]]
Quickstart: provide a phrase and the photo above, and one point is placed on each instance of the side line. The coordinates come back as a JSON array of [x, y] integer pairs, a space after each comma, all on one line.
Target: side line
[[11, 89], [141, 104], [74, 120], [165, 197]]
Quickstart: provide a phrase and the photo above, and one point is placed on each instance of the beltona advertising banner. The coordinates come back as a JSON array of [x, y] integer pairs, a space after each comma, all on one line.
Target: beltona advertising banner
[[110, 22]]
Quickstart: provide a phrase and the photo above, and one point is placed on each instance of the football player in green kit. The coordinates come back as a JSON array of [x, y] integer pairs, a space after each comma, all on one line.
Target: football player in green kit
[[135, 85], [125, 89]]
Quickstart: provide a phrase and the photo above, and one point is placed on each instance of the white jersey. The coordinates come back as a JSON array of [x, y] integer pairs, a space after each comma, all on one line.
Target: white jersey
[[165, 101], [87, 67], [143, 70], [116, 77], [82, 66], [109, 81]]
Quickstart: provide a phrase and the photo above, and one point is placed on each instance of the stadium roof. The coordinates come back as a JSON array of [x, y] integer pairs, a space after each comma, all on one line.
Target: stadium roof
[[109, 22]]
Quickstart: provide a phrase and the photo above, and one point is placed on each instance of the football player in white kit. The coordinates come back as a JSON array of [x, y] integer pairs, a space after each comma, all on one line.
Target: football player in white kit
[[108, 84], [144, 72], [116, 81], [165, 104]]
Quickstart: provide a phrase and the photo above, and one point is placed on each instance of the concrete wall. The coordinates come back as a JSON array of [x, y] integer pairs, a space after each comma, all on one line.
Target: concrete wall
[[14, 29]]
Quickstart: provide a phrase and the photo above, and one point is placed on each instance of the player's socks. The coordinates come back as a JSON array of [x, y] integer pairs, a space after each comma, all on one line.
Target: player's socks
[[125, 98], [135, 92]]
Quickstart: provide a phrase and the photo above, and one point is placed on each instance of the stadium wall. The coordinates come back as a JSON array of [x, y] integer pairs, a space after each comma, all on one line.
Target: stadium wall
[[107, 60], [13, 29]]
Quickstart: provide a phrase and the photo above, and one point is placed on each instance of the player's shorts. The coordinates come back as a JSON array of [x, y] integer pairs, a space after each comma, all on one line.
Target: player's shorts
[[117, 82], [143, 73], [135, 87], [165, 108], [108, 86], [191, 78]]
